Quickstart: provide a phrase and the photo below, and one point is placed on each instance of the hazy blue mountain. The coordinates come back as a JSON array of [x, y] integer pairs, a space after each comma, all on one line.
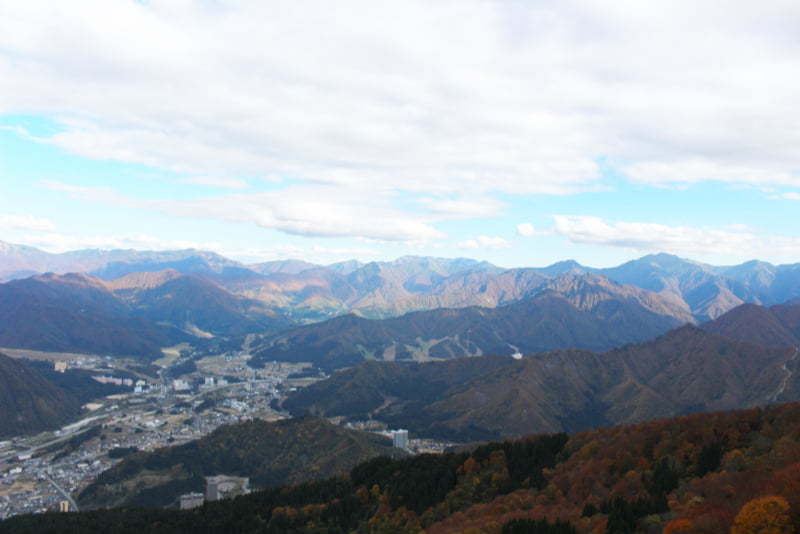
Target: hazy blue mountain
[[310, 293], [706, 293], [108, 264], [283, 266]]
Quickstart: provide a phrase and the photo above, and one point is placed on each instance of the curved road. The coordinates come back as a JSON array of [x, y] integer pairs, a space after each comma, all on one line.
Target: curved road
[[787, 376]]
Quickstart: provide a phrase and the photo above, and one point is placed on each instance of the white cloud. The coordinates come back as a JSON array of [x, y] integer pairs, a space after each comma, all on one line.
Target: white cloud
[[526, 230], [738, 242], [212, 181], [102, 195], [484, 242], [26, 222], [58, 242], [506, 97], [685, 171], [309, 210], [461, 207], [437, 109]]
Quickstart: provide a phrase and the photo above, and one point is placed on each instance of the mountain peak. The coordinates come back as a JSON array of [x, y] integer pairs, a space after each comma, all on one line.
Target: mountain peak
[[561, 267]]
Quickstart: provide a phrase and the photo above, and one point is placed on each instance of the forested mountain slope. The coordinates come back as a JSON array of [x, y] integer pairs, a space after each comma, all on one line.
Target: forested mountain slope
[[270, 454], [685, 370], [29, 403], [697, 473]]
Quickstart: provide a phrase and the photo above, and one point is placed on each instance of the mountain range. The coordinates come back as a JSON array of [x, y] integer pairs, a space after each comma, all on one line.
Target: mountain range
[[146, 300], [302, 292], [585, 311], [605, 340], [719, 366]]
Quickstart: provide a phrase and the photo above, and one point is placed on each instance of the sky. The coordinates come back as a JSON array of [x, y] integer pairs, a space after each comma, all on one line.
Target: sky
[[516, 132]]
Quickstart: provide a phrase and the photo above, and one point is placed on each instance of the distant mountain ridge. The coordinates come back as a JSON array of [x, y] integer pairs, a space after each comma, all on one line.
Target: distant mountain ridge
[[307, 292], [206, 295]]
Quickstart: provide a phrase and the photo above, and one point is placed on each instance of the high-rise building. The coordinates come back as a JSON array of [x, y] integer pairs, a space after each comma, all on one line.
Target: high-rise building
[[400, 438]]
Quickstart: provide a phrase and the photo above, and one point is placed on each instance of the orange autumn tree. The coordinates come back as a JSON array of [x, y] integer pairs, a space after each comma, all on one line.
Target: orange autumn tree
[[678, 526], [764, 515]]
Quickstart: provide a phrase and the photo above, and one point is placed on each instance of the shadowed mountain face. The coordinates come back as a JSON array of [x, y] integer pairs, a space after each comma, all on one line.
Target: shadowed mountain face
[[76, 313], [685, 370], [136, 315], [29, 403]]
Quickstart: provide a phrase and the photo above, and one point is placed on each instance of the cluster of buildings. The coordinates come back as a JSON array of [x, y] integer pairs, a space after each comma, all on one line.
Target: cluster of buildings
[[30, 479], [118, 381]]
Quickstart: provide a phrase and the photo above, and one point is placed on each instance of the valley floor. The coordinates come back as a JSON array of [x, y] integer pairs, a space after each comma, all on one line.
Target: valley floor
[[36, 471]]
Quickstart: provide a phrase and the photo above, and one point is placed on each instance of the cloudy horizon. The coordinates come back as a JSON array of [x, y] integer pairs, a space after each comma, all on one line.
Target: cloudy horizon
[[521, 133]]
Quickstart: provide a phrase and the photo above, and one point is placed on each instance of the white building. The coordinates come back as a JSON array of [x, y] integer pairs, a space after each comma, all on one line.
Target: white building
[[224, 487], [180, 385], [400, 438], [192, 500]]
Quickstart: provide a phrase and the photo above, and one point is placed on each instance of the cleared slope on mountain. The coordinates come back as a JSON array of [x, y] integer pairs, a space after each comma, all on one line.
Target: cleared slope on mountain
[[361, 391], [588, 312], [270, 454], [685, 370], [29, 403]]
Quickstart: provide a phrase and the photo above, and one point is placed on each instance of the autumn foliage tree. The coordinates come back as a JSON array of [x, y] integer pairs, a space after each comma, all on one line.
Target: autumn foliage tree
[[764, 515], [678, 526]]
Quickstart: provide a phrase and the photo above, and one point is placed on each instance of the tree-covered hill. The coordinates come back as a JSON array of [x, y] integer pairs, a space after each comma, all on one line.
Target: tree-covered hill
[[29, 403], [270, 454], [685, 370], [696, 473]]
